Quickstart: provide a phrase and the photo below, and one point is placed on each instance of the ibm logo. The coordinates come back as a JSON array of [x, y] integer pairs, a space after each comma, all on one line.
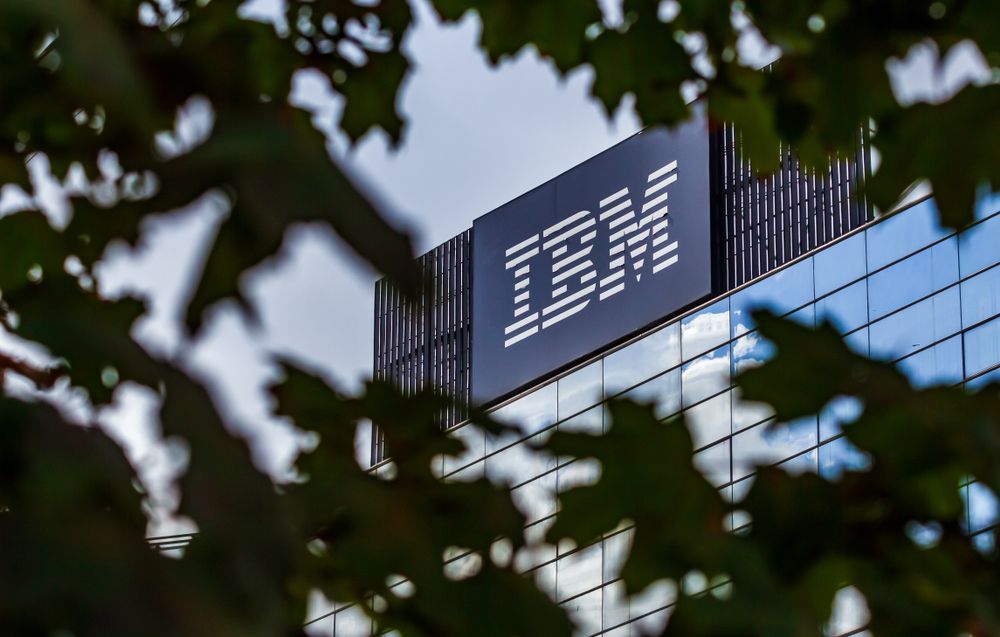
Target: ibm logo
[[565, 252]]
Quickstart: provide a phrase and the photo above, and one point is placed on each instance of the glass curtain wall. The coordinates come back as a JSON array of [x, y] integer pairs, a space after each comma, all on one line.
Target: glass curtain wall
[[903, 290]]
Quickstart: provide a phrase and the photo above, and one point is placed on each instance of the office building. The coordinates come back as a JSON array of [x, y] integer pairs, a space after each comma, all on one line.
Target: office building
[[670, 239]]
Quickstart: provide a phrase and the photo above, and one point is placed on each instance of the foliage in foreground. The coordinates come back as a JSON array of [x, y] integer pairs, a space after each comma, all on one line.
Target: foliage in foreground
[[85, 79]]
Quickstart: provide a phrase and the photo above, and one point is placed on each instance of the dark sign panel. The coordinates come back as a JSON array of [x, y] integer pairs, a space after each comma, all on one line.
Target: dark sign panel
[[594, 255]]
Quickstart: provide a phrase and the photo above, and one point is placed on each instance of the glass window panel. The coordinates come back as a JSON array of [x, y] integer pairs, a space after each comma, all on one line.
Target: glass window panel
[[766, 445], [590, 421], [578, 473], [807, 462], [706, 330], [536, 499], [534, 535], [518, 463], [978, 246], [983, 507], [586, 612], [982, 347], [839, 264], [580, 390], [840, 411], [320, 627], [747, 413], [749, 351], [353, 622], [985, 542], [938, 365], [838, 456], [545, 579], [987, 205], [913, 278], [741, 489], [782, 292], [664, 390], [902, 234], [615, 611], [857, 341], [985, 379], [642, 360], [460, 563], [705, 376], [471, 473], [616, 550], [644, 607], [981, 296], [714, 463], [917, 326], [710, 420], [474, 440], [806, 316], [846, 309], [850, 613], [580, 571], [533, 412]]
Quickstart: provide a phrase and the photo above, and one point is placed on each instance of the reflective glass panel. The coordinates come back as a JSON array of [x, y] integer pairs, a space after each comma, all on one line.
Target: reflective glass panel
[[590, 421], [938, 365], [518, 463], [705, 330], [710, 420], [536, 498], [839, 411], [748, 413], [804, 462], [766, 445], [982, 347], [782, 292], [532, 412], [616, 550], [987, 205], [838, 456], [705, 376], [917, 326], [580, 390], [985, 379], [978, 246], [858, 341], [806, 316], [586, 612], [642, 360], [664, 390], [983, 507], [903, 233], [615, 610], [913, 278], [580, 571], [474, 440], [846, 309], [714, 463], [578, 473], [981, 296], [850, 614], [839, 264], [749, 351], [353, 622]]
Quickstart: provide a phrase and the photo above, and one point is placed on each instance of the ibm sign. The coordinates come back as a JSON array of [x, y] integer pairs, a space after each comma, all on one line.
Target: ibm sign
[[613, 245]]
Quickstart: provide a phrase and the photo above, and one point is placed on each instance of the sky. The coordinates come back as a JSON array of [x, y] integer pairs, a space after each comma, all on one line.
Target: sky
[[477, 137]]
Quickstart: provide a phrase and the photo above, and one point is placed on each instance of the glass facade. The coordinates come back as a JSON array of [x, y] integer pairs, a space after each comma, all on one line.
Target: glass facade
[[902, 290]]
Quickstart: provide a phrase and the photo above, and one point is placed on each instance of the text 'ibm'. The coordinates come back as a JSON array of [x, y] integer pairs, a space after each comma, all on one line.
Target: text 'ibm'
[[565, 252]]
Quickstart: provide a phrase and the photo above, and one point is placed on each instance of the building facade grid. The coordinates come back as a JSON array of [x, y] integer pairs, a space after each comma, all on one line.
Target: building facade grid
[[901, 289], [760, 224]]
